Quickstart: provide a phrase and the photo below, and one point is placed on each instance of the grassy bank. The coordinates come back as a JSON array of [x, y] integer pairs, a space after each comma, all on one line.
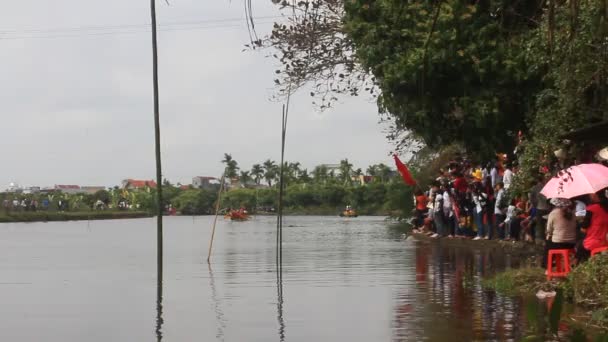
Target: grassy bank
[[44, 216], [586, 286]]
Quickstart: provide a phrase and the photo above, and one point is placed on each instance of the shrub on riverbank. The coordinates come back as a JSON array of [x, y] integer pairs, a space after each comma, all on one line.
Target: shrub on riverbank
[[587, 284], [514, 281]]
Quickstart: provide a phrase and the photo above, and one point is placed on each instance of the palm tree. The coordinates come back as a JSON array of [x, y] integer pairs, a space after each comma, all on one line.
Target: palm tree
[[372, 170], [257, 172], [270, 171], [384, 172], [346, 170], [320, 173], [244, 178], [304, 177], [357, 174], [231, 166]]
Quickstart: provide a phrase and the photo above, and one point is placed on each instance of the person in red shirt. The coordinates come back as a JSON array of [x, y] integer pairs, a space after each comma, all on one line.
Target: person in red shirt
[[595, 225], [421, 207]]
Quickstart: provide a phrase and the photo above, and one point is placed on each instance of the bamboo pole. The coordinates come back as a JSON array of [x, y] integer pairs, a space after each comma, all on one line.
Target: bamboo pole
[[217, 211], [159, 191]]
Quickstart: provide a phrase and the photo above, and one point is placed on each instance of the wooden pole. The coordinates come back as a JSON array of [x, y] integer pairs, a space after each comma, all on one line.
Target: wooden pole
[[159, 191], [217, 211]]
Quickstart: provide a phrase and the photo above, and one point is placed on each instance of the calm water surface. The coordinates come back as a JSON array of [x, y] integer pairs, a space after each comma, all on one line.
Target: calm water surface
[[343, 280]]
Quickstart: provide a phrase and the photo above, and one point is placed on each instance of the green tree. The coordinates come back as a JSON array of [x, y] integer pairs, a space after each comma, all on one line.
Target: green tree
[[240, 198], [245, 178], [304, 177], [270, 171], [257, 172], [102, 195], [231, 166], [346, 171], [320, 174], [195, 202]]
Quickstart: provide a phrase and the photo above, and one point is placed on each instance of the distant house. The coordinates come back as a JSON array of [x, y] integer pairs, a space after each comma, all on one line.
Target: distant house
[[91, 190], [68, 189], [31, 190], [208, 183], [132, 184], [15, 188]]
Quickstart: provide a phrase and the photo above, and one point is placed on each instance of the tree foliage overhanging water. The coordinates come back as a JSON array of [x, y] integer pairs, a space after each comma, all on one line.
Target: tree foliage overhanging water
[[473, 73]]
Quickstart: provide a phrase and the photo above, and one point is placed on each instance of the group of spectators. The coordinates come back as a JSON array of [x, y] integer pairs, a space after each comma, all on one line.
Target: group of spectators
[[475, 201], [472, 201]]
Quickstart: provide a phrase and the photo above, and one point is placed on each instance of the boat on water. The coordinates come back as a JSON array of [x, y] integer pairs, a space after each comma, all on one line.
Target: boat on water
[[237, 215], [349, 212]]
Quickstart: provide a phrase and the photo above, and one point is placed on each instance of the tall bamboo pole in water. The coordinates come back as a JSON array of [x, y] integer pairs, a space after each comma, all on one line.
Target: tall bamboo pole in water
[[159, 180], [217, 211]]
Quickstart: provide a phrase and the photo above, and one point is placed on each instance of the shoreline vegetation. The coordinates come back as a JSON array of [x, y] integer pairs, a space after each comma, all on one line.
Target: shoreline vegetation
[[57, 216], [327, 190]]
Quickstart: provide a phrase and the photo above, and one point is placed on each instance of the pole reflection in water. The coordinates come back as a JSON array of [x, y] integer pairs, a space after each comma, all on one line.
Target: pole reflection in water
[[219, 314], [159, 301], [280, 302]]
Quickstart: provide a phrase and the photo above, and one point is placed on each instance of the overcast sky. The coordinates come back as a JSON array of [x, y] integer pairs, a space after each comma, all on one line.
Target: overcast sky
[[76, 95]]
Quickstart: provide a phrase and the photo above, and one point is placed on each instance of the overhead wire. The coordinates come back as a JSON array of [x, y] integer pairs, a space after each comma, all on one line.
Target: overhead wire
[[104, 30]]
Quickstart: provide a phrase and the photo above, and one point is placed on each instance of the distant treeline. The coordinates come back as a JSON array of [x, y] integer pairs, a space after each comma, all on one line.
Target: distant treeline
[[325, 191]]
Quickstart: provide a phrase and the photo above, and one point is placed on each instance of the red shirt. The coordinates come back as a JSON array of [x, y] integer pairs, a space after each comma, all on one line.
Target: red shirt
[[460, 184], [421, 202], [596, 233]]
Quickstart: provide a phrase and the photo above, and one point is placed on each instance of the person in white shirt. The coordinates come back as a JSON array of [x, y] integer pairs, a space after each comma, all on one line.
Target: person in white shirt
[[448, 212], [438, 215], [480, 199], [500, 208], [507, 177]]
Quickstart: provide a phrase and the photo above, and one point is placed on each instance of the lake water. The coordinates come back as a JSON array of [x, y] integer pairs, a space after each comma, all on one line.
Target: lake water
[[342, 280]]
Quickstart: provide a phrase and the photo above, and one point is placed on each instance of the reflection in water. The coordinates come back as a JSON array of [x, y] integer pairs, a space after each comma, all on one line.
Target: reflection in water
[[159, 306], [449, 300], [219, 314], [159, 289], [280, 303]]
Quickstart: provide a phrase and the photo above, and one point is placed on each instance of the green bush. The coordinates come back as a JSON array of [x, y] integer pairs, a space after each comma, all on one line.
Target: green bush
[[588, 282]]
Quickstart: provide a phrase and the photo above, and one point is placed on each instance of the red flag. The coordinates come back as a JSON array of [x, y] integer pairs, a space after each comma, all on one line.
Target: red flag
[[405, 173]]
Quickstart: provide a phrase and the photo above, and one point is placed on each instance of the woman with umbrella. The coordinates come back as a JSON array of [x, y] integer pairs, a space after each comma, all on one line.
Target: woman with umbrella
[[561, 227], [585, 179]]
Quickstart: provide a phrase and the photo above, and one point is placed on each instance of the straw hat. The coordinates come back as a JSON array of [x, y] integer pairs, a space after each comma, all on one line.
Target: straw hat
[[603, 154]]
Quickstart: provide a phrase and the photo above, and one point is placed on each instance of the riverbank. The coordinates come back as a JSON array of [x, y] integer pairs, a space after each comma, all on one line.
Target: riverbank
[[522, 249], [48, 216], [586, 286]]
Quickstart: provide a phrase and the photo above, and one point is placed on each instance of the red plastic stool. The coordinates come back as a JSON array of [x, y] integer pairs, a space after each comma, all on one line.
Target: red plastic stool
[[562, 263], [599, 250]]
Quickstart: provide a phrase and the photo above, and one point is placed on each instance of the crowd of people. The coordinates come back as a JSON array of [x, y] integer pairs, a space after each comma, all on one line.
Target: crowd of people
[[475, 201]]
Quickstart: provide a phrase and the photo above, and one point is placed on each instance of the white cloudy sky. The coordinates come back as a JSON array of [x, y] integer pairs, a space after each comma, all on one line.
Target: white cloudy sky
[[76, 96]]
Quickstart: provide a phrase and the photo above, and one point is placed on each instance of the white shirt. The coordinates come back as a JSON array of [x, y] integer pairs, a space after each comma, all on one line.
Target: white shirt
[[494, 175], [581, 209], [499, 197], [477, 199], [447, 204], [507, 178], [437, 207]]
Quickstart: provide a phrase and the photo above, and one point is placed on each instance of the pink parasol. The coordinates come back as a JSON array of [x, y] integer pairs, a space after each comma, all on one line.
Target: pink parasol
[[576, 181]]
